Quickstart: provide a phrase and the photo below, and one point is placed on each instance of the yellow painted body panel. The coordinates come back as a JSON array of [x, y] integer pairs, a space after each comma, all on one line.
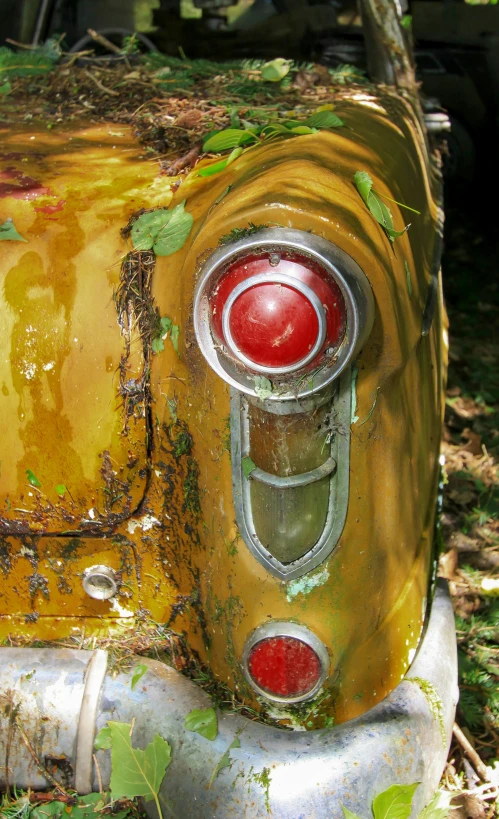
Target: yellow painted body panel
[[180, 555]]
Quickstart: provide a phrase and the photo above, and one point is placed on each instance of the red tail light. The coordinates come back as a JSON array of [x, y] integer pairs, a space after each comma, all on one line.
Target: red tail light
[[285, 304], [285, 662], [284, 666], [277, 312]]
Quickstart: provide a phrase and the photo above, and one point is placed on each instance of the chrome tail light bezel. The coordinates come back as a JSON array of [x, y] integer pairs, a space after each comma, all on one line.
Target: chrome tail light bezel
[[345, 272]]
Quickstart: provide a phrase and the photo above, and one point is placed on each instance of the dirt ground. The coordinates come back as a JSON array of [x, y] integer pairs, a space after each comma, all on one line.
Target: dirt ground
[[470, 518]]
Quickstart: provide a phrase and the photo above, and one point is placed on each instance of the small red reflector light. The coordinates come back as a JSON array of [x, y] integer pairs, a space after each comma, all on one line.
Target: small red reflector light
[[284, 666]]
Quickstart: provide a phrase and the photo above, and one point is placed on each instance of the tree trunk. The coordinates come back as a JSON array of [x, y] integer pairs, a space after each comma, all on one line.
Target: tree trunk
[[389, 56]]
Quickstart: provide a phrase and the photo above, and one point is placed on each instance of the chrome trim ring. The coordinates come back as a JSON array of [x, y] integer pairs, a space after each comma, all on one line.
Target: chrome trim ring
[[355, 289], [100, 582], [283, 628], [288, 281], [301, 479]]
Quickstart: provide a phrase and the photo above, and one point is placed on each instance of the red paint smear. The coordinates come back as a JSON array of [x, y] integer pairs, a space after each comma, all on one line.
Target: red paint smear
[[17, 156], [49, 209], [26, 187]]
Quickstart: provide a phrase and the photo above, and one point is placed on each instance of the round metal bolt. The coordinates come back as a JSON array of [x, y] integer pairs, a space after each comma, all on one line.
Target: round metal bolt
[[100, 582], [274, 259]]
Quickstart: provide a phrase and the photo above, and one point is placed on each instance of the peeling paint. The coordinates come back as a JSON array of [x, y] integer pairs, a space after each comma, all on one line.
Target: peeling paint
[[354, 417], [304, 585], [281, 714], [146, 522], [120, 611]]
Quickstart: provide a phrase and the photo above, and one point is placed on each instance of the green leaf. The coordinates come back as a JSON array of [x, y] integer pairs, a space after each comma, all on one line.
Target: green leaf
[[88, 807], [225, 761], [235, 154], [163, 231], [60, 489], [216, 167], [136, 772], [263, 387], [395, 802], [8, 231], [230, 138], [274, 129], [174, 336], [235, 122], [157, 345], [324, 119], [211, 170], [31, 478], [363, 183], [103, 739], [166, 325], [202, 721], [406, 21], [438, 808], [303, 129], [5, 88], [137, 674], [378, 209], [248, 466], [275, 70], [348, 813], [52, 809]]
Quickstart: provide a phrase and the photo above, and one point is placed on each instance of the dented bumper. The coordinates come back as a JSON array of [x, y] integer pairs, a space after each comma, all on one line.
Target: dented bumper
[[63, 696]]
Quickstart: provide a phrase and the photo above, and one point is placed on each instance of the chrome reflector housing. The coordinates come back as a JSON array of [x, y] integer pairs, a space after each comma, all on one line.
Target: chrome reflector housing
[[282, 630], [287, 383]]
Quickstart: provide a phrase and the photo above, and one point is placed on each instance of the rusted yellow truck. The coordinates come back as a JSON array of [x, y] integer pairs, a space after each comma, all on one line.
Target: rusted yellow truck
[[220, 418]]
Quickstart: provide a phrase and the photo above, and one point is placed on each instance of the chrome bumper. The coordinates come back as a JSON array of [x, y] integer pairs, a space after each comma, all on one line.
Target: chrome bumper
[[63, 696]]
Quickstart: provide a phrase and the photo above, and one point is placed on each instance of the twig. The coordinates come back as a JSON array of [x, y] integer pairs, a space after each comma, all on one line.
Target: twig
[[99, 85], [103, 41], [185, 161], [470, 752], [99, 777], [45, 773], [21, 45]]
